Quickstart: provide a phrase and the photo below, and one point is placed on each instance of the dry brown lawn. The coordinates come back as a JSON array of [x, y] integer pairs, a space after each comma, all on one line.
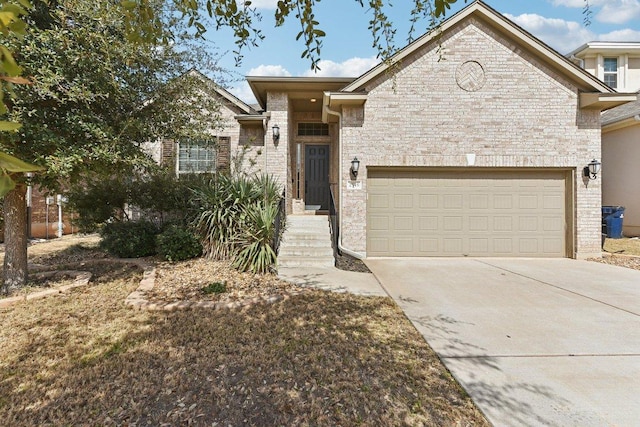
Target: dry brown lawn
[[84, 358], [626, 246]]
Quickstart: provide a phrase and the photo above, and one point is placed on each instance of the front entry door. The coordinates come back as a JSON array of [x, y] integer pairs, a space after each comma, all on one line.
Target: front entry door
[[316, 172]]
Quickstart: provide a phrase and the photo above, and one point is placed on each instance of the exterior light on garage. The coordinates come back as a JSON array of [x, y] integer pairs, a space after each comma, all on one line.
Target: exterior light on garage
[[355, 167], [276, 133], [592, 169]]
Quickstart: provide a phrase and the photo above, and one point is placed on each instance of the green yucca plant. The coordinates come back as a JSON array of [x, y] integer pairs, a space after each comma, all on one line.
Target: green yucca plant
[[236, 221], [257, 254]]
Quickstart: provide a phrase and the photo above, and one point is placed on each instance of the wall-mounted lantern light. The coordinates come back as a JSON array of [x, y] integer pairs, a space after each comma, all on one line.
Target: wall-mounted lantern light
[[276, 133], [592, 170], [355, 167]]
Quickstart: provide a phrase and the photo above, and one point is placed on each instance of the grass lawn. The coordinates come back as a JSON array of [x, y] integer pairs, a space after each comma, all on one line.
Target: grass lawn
[[84, 358], [626, 246]]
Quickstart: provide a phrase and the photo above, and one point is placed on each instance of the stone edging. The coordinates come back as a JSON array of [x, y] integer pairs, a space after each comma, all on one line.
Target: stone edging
[[137, 300], [611, 254], [81, 279]]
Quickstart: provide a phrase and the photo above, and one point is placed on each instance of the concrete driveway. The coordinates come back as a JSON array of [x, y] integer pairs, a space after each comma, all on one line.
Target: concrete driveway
[[534, 342]]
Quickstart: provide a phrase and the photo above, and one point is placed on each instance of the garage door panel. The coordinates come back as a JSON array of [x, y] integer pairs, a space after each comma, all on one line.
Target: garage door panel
[[429, 246], [528, 201], [479, 246], [452, 246], [478, 223], [553, 202], [503, 223], [379, 223], [468, 213], [403, 201], [403, 223], [428, 201], [503, 201], [552, 224], [478, 201], [403, 246], [428, 223], [379, 201]]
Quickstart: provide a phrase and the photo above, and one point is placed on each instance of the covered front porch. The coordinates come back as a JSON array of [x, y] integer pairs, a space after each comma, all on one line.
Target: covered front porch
[[301, 150]]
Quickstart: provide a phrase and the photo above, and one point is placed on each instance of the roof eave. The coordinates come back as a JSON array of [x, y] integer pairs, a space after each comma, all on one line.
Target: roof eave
[[252, 119], [504, 24], [336, 100], [605, 101], [620, 124]]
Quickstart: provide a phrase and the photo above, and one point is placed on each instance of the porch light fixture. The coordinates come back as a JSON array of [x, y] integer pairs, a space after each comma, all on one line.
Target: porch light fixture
[[592, 170], [276, 132], [355, 167]]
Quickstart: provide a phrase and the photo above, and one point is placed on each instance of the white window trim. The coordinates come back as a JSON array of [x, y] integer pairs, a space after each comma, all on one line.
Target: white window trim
[[623, 65], [215, 162]]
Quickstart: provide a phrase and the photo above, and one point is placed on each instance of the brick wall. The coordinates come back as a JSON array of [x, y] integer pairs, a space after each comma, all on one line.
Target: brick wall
[[277, 160], [523, 115], [43, 226]]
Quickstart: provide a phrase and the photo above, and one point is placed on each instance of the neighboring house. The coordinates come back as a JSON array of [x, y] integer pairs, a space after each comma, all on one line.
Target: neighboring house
[[47, 214], [618, 65], [473, 144]]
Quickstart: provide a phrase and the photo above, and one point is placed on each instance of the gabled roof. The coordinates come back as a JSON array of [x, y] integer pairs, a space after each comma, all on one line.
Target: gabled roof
[[478, 9], [244, 107], [621, 116], [297, 87]]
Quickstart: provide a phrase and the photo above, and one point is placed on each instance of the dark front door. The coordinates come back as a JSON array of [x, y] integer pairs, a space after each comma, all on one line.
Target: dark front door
[[316, 172]]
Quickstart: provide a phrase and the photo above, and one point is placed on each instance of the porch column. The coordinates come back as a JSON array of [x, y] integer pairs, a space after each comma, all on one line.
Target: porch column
[[277, 162]]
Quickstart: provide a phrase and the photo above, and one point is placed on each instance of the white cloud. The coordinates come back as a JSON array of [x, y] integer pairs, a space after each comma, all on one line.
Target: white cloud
[[562, 35], [243, 91], [619, 11], [578, 3], [352, 67], [607, 11], [264, 4], [269, 70], [626, 35]]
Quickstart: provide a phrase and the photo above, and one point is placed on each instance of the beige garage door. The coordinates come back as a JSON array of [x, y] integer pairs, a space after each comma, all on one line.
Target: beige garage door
[[466, 213]]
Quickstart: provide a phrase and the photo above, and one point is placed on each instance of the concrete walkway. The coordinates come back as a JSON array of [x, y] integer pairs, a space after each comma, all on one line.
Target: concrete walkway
[[333, 279], [534, 342]]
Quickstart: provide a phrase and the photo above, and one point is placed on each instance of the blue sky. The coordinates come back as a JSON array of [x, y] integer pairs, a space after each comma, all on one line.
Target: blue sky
[[347, 49]]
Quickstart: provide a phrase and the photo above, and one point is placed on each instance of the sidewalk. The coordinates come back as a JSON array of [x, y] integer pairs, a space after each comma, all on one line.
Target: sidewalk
[[333, 279]]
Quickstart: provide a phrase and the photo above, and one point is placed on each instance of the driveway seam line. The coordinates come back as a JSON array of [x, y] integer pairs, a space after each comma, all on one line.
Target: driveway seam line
[[542, 356], [559, 287]]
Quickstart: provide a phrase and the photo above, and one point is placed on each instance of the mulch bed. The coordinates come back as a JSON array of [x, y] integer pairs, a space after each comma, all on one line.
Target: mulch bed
[[208, 280], [349, 263], [619, 260]]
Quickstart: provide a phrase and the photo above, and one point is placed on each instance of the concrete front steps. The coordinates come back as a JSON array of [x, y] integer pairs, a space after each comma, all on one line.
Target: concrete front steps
[[306, 242]]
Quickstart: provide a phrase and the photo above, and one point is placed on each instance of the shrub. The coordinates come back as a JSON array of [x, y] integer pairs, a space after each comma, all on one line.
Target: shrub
[[215, 288], [129, 239], [256, 239], [178, 244], [157, 195], [229, 209]]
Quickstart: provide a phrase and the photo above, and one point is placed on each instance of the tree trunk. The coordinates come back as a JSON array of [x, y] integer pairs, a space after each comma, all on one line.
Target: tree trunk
[[15, 238]]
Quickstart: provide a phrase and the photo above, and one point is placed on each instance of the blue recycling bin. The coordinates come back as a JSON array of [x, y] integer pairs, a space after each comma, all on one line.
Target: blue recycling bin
[[612, 219]]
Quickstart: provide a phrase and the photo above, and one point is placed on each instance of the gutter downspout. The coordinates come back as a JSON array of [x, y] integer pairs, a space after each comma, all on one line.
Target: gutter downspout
[[575, 59], [340, 247]]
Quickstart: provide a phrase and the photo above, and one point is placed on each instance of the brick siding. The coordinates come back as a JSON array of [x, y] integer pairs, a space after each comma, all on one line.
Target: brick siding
[[525, 115]]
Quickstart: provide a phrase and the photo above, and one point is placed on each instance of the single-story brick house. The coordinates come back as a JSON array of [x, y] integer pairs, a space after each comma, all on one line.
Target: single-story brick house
[[470, 141]]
